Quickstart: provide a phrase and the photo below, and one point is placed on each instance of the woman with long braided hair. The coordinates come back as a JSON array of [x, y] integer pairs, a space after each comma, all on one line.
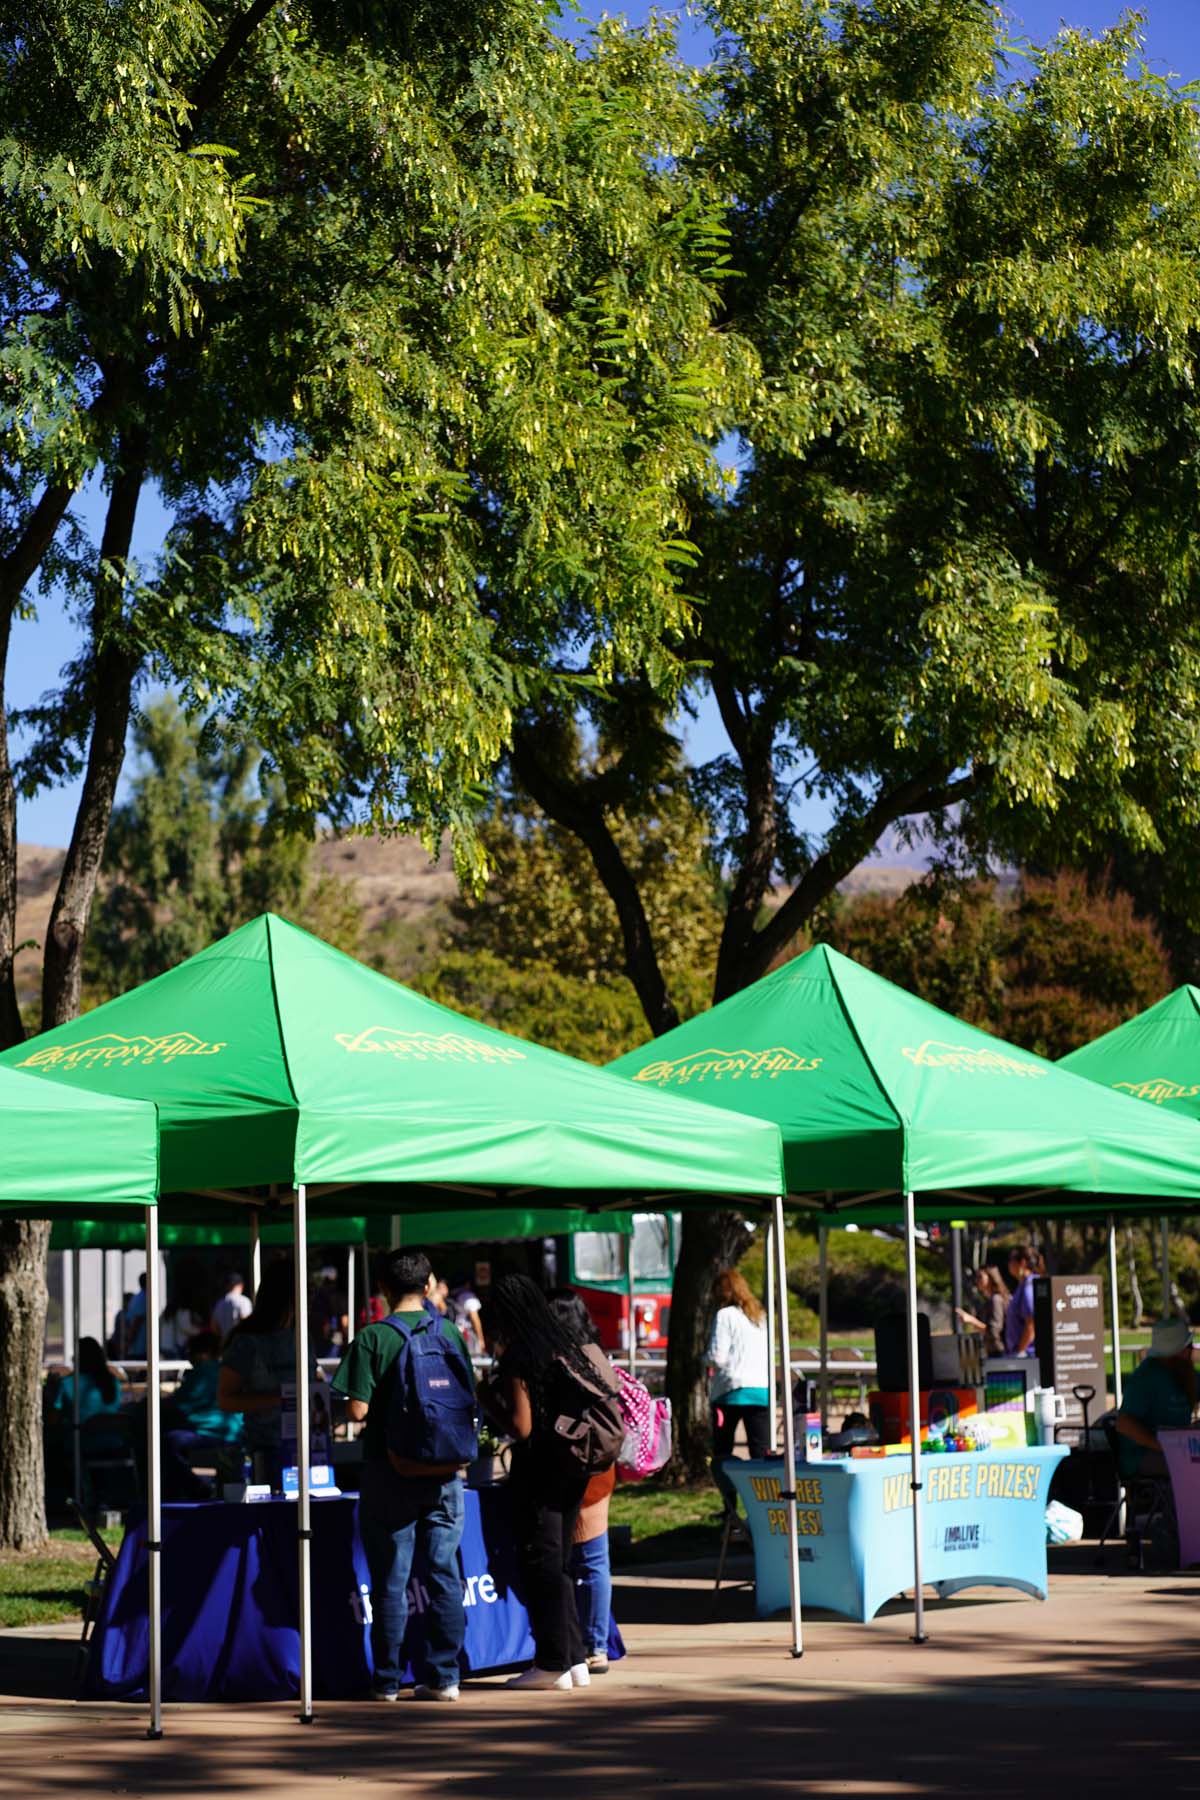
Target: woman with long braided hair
[[536, 1354]]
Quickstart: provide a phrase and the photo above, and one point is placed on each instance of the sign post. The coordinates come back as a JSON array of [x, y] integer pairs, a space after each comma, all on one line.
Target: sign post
[[1068, 1322]]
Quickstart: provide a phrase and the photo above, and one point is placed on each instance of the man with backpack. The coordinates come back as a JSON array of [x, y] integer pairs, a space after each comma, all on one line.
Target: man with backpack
[[409, 1377]]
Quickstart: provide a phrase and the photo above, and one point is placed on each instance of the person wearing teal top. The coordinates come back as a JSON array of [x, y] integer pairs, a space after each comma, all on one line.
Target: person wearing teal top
[[99, 1397], [195, 1422], [1160, 1395]]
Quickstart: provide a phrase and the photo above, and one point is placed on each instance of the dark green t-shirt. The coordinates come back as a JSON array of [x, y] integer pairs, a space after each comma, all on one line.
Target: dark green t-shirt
[[1155, 1399], [368, 1372]]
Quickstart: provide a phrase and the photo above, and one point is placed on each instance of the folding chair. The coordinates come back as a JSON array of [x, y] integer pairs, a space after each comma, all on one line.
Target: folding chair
[[93, 1592], [1146, 1500], [108, 1450]]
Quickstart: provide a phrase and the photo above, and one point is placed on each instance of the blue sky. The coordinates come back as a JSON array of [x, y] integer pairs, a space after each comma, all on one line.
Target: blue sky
[[41, 647]]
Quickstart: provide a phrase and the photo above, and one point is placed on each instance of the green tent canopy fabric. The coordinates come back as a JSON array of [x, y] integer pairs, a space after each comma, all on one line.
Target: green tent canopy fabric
[[876, 1092], [1154, 1057], [62, 1149], [275, 1059], [494, 1225]]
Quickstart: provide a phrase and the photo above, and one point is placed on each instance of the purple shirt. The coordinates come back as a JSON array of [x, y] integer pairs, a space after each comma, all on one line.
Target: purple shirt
[[1020, 1308]]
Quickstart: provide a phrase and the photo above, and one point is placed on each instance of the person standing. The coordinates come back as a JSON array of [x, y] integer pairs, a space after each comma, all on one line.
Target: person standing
[[259, 1361], [232, 1307], [740, 1385], [1018, 1320], [405, 1502], [591, 1569], [539, 1360], [993, 1309]]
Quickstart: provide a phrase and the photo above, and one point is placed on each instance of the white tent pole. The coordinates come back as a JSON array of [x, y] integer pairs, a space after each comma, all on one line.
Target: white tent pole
[[823, 1306], [789, 1431], [772, 1364], [303, 1506], [1115, 1305], [255, 1254], [153, 1471], [351, 1307], [1165, 1266], [631, 1294], [75, 1424], [914, 1405]]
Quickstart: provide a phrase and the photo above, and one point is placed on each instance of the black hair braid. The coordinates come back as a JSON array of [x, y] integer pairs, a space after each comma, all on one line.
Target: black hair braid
[[533, 1336]]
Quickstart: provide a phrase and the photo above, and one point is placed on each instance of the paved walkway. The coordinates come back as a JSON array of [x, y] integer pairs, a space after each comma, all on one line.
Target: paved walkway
[[1094, 1692]]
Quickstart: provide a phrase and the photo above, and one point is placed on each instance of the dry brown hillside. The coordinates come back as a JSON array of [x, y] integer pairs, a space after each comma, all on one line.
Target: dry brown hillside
[[393, 879]]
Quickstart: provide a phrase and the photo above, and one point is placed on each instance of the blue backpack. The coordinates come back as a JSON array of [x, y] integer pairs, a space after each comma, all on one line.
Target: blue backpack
[[432, 1421]]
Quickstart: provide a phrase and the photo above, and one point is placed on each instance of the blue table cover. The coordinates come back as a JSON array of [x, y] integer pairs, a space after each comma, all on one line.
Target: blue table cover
[[983, 1523], [231, 1603]]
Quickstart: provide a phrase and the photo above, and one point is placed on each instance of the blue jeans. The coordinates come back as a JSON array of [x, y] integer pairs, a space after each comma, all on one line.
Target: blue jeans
[[593, 1592], [394, 1515]]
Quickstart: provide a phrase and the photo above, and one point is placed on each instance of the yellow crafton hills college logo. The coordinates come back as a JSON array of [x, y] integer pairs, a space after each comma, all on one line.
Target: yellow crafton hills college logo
[[1157, 1088], [111, 1050], [969, 1059], [716, 1065], [426, 1046]]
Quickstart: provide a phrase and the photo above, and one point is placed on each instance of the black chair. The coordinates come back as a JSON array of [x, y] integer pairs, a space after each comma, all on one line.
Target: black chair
[[1146, 1499], [108, 1463], [93, 1593]]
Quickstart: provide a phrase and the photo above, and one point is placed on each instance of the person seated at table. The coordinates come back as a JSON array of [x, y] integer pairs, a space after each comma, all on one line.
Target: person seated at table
[[992, 1303], [259, 1359], [739, 1389], [405, 1504], [99, 1395], [590, 1568], [194, 1423], [1160, 1395]]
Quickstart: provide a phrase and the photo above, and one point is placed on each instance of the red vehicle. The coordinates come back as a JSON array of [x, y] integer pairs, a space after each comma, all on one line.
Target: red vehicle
[[598, 1264]]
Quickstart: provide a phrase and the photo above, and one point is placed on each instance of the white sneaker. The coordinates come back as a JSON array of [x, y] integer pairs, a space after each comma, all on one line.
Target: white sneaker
[[580, 1676], [432, 1693], [540, 1678]]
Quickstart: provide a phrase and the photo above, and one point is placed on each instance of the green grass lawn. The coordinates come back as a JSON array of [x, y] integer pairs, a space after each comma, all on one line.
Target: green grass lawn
[[38, 1587], [666, 1522]]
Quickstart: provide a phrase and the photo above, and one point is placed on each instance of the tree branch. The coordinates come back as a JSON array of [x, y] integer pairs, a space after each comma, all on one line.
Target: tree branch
[[23, 560], [207, 91], [929, 792], [579, 811]]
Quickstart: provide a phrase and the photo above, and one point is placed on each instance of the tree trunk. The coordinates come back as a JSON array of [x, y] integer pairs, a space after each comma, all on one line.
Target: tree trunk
[[708, 1243], [114, 669], [23, 1248], [12, 1030]]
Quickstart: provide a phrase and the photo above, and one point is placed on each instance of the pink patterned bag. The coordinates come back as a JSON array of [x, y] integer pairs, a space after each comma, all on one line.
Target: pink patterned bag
[[647, 1446]]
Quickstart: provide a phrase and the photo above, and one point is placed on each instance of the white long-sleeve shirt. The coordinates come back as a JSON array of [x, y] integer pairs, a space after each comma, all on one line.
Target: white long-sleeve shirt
[[739, 1353]]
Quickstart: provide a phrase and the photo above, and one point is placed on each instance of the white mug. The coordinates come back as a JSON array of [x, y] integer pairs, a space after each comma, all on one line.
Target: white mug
[[1049, 1410]]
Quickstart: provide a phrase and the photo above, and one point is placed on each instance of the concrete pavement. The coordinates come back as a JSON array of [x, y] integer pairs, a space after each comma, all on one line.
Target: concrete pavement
[[1092, 1692]]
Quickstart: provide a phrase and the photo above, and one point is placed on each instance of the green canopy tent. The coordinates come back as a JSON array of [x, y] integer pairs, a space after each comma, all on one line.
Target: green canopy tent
[[277, 1062], [1154, 1057], [876, 1093]]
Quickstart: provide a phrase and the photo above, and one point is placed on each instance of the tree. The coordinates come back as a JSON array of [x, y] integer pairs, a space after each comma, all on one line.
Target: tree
[[951, 587], [538, 951], [395, 307], [1050, 967], [191, 855]]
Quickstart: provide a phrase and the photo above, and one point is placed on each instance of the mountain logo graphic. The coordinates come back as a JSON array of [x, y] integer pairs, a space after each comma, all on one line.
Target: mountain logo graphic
[[731, 1065], [1157, 1088], [427, 1046], [110, 1050]]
